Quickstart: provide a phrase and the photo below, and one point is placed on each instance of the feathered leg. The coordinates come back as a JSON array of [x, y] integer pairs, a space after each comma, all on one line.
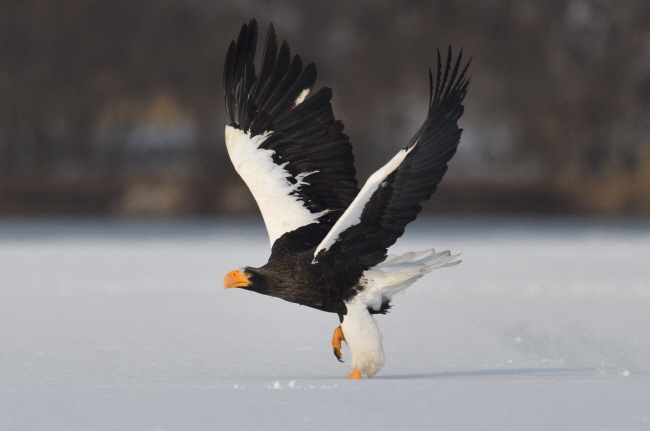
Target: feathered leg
[[364, 339]]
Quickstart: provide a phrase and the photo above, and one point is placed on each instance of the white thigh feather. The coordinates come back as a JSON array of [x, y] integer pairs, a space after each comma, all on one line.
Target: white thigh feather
[[362, 337]]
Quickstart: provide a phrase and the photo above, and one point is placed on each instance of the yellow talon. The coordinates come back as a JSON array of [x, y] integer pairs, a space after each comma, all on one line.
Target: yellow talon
[[337, 337], [356, 374]]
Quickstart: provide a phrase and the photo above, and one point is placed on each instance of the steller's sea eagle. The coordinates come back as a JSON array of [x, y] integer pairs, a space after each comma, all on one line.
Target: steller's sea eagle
[[329, 239]]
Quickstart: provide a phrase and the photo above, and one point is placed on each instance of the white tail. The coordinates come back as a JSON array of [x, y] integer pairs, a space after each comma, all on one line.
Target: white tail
[[396, 273]]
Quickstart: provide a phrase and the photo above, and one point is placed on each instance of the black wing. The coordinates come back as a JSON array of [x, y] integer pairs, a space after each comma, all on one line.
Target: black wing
[[391, 198], [306, 140]]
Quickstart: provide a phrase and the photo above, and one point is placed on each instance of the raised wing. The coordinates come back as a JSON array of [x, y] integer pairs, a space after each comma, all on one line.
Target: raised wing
[[391, 198], [288, 147]]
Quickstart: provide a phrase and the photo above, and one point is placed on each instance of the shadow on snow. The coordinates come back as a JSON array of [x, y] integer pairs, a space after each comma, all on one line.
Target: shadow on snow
[[499, 372]]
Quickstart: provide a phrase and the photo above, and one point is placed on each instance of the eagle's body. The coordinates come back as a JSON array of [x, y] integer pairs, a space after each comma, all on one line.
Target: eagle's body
[[328, 238]]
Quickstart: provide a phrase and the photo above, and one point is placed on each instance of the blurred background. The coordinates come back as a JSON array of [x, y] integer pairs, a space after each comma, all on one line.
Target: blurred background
[[115, 107]]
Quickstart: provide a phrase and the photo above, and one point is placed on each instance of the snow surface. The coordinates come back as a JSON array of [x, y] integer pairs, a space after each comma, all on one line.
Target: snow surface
[[126, 326]]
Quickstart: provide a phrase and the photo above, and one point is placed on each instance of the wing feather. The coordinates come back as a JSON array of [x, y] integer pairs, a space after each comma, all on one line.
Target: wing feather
[[391, 198], [297, 148]]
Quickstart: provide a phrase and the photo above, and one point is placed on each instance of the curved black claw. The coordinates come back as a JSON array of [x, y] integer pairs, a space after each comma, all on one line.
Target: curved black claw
[[338, 355]]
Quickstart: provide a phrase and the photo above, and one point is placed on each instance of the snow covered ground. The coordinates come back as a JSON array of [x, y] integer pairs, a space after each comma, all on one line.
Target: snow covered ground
[[125, 326]]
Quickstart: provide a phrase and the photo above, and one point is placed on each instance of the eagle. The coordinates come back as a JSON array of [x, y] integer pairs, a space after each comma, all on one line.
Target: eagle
[[329, 238]]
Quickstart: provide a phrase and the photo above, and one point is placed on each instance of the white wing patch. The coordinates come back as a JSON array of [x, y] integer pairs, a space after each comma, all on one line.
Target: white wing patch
[[352, 215], [301, 97], [267, 181]]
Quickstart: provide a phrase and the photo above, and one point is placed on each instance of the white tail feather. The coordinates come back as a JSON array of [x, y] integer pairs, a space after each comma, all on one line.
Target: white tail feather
[[426, 258], [396, 273]]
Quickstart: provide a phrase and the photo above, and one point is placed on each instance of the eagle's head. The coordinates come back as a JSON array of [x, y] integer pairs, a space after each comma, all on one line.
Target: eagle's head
[[247, 278]]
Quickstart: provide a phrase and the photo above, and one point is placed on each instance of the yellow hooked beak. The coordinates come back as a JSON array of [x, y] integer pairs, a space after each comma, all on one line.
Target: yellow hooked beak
[[235, 279]]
